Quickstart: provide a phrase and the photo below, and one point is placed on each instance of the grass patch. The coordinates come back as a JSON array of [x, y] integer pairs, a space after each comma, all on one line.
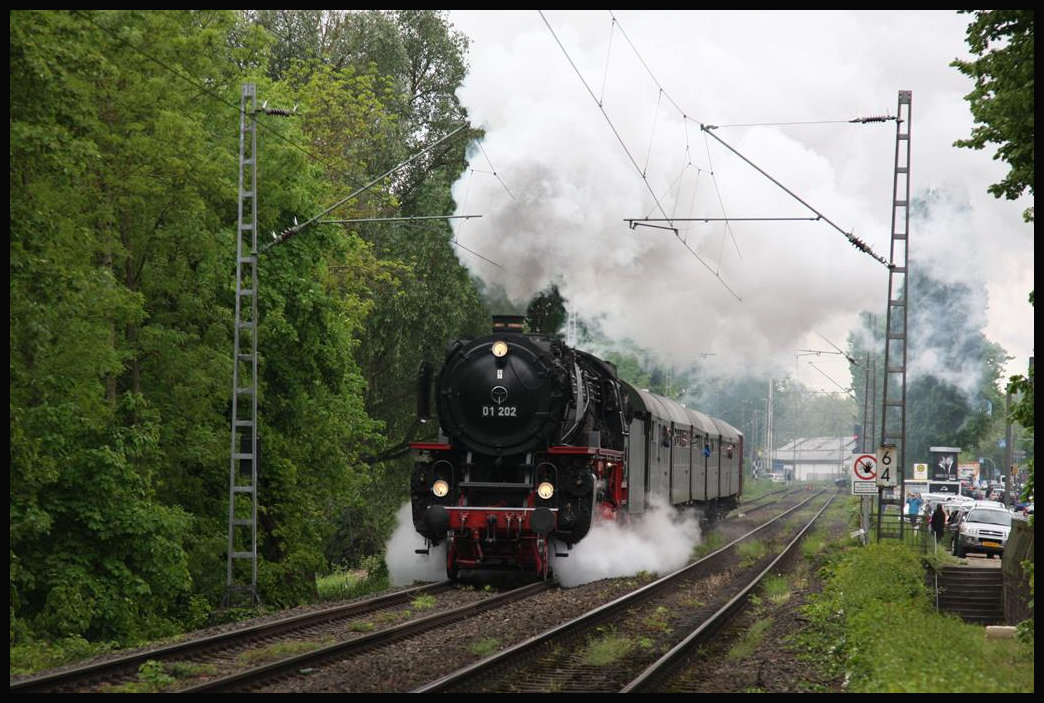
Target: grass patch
[[280, 650], [390, 617], [607, 649], [710, 543], [485, 647], [642, 577], [813, 544], [157, 677], [370, 577], [775, 588], [694, 602], [750, 640], [659, 620], [33, 656], [340, 585], [188, 670], [751, 551], [425, 601]]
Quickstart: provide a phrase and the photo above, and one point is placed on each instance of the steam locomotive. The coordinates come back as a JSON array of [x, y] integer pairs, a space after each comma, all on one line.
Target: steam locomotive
[[538, 440]]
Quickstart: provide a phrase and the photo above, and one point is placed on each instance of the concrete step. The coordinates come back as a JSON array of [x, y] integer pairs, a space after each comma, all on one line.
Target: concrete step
[[975, 594], [971, 573], [969, 587]]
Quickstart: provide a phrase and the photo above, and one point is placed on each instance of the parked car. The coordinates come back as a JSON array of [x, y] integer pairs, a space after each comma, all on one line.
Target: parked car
[[777, 478], [984, 529]]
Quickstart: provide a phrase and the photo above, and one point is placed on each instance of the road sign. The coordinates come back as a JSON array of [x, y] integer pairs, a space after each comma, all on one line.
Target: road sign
[[864, 471], [865, 467], [886, 468]]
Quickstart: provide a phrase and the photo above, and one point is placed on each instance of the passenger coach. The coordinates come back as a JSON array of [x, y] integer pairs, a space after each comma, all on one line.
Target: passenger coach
[[681, 453]]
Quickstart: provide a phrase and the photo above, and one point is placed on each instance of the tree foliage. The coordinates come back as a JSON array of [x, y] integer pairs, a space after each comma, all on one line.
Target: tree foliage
[[410, 63], [1021, 388], [1002, 101], [1002, 104], [113, 202], [546, 313], [124, 149]]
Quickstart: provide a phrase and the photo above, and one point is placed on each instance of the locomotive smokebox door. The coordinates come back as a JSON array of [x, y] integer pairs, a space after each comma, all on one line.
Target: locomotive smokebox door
[[500, 394]]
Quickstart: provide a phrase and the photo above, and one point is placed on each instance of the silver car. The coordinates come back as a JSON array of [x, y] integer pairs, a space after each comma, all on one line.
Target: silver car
[[983, 530]]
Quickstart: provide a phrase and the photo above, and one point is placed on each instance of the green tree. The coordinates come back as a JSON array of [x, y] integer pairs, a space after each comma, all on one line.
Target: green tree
[[317, 289], [1021, 388], [546, 313], [123, 162], [112, 189], [1002, 100], [424, 296], [1002, 104]]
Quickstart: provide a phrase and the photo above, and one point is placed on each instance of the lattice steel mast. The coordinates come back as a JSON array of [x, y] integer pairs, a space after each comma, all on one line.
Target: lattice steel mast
[[893, 411], [242, 497]]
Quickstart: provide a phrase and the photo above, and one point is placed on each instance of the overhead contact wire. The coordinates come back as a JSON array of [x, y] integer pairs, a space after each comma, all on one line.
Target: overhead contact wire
[[634, 163]]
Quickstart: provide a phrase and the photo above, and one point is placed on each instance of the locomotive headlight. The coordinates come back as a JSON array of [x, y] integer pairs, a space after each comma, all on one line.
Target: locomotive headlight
[[440, 488], [500, 348], [545, 490]]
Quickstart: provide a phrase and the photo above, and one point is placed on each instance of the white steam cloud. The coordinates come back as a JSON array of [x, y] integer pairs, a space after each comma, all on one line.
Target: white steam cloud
[[405, 566], [561, 172], [659, 542]]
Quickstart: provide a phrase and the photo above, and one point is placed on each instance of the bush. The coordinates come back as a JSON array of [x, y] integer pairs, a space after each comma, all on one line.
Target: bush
[[879, 616]]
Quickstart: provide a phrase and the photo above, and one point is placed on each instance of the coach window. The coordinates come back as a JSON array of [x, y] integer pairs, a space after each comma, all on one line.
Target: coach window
[[681, 438], [665, 436]]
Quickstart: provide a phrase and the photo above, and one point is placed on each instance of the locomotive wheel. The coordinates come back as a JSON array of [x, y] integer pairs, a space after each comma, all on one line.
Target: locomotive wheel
[[452, 570]]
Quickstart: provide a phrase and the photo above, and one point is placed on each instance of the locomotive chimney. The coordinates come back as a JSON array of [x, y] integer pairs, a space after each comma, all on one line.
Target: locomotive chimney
[[509, 323]]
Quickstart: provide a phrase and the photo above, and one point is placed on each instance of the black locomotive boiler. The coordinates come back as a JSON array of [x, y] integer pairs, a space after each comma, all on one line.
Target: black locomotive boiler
[[538, 440]]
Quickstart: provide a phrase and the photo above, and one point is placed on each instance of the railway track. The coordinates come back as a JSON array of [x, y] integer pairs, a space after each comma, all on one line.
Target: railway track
[[267, 674], [763, 501], [676, 613], [221, 650], [677, 665], [342, 657]]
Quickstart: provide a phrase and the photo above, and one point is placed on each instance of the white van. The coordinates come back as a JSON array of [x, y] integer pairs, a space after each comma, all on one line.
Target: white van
[[949, 502]]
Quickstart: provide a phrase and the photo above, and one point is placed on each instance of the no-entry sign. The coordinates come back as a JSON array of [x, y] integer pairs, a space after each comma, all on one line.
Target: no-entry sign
[[864, 472], [865, 467]]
